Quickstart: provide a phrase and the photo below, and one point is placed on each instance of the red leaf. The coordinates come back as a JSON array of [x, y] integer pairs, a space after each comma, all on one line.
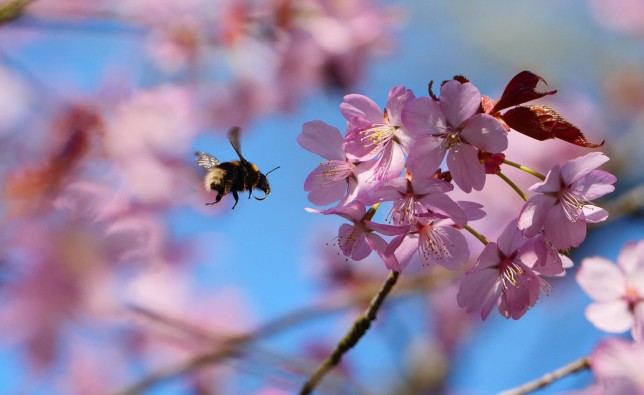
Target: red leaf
[[542, 123], [519, 90]]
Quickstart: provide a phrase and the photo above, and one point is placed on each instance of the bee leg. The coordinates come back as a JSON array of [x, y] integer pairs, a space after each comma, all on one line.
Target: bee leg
[[217, 199], [236, 199], [250, 191]]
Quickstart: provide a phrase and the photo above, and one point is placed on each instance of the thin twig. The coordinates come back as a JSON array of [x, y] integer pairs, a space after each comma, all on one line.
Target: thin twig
[[549, 378], [359, 328], [629, 202]]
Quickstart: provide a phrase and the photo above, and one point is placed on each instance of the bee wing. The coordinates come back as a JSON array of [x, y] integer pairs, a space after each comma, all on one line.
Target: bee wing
[[205, 160], [233, 136]]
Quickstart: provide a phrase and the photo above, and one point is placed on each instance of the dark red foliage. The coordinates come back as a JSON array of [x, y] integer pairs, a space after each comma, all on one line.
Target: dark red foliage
[[520, 90], [542, 123]]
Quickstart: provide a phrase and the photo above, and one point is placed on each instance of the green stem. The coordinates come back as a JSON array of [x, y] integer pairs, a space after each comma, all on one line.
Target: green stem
[[359, 328], [525, 168], [476, 234], [513, 185]]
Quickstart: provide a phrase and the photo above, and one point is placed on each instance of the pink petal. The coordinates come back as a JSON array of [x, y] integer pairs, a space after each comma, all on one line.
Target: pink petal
[[354, 211], [473, 211], [533, 214], [562, 232], [423, 116], [358, 145], [425, 157], [443, 204], [320, 193], [479, 289], [361, 111], [452, 254], [516, 300], [390, 163], [539, 255], [486, 133], [613, 317], [601, 279], [459, 101], [511, 239], [351, 240], [396, 101], [577, 168], [466, 169], [390, 230], [552, 183], [376, 243], [596, 184], [489, 257], [403, 246], [594, 214], [322, 139], [631, 259]]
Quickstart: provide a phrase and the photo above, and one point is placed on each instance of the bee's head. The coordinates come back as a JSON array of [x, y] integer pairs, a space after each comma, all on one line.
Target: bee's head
[[263, 185]]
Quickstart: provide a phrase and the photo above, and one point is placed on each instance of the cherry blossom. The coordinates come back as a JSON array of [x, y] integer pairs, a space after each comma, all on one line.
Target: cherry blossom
[[412, 197], [358, 239], [338, 176], [562, 206], [372, 133], [617, 291], [453, 124], [617, 365], [436, 240], [508, 274]]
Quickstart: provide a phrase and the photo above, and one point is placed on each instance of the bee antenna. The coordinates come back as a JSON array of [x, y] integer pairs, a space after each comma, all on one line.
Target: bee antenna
[[272, 171]]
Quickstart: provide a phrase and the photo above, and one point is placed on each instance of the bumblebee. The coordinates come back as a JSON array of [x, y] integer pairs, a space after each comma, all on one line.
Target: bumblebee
[[234, 176]]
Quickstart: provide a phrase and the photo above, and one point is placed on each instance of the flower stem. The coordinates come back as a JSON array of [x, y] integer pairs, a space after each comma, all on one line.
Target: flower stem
[[513, 185], [359, 328], [549, 378], [476, 234], [525, 168]]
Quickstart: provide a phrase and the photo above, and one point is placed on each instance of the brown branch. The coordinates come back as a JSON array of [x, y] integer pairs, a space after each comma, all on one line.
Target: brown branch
[[549, 378], [359, 328]]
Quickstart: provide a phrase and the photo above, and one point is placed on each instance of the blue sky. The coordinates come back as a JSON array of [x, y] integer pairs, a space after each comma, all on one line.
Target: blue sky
[[268, 244]]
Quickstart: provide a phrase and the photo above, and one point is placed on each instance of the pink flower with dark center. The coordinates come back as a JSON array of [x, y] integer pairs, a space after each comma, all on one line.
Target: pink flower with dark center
[[453, 124], [338, 176], [358, 239], [562, 207], [507, 273], [373, 133], [436, 240], [617, 291], [412, 197]]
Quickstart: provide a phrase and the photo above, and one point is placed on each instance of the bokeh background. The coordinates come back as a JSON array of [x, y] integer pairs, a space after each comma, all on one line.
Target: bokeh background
[[115, 272]]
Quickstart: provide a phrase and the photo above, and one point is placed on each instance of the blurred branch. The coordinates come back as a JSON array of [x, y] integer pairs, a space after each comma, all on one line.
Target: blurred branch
[[549, 378], [13, 10], [232, 344], [359, 328], [627, 203]]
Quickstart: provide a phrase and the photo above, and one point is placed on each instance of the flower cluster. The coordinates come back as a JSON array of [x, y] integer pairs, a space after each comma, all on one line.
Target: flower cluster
[[415, 151]]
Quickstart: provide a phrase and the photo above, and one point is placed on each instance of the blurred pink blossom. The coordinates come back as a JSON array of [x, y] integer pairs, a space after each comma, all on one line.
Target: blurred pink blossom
[[617, 365], [617, 290], [622, 15], [64, 257]]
